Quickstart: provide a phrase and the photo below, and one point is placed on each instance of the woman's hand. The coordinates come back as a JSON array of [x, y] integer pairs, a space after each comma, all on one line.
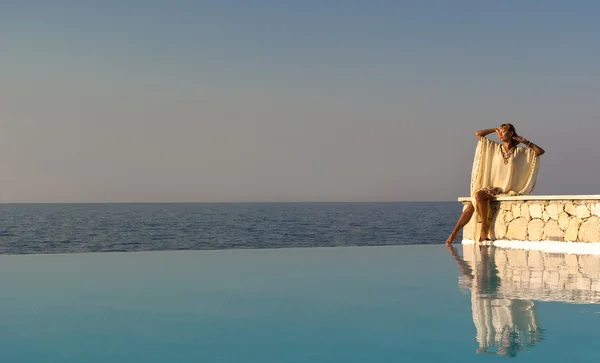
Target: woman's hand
[[520, 139], [538, 150], [497, 130]]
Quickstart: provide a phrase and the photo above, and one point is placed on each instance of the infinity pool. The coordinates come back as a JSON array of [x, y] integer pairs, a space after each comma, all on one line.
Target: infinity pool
[[356, 304]]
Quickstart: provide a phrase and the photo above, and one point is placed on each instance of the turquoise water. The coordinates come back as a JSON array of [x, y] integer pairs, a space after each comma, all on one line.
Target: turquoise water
[[346, 304]]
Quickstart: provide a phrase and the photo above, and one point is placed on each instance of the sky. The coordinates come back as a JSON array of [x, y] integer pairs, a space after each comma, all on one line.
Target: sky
[[289, 101]]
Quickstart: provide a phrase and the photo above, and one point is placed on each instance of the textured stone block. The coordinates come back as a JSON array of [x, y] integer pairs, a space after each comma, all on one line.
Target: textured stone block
[[545, 216], [572, 230], [595, 209], [508, 216], [498, 227], [517, 229], [571, 209], [535, 210], [535, 229], [582, 212], [525, 211], [554, 210], [516, 211], [563, 220], [552, 232], [589, 231], [506, 206]]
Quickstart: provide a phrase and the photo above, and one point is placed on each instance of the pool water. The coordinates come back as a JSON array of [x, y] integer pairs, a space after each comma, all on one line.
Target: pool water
[[347, 304]]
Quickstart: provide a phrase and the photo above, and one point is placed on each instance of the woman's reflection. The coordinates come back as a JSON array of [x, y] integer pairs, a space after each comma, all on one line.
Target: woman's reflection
[[504, 326]]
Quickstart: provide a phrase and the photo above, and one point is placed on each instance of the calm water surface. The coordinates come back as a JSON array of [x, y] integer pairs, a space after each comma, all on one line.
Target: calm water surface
[[346, 304]]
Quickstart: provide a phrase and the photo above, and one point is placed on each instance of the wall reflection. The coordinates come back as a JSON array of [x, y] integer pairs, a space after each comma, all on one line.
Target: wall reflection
[[504, 283]]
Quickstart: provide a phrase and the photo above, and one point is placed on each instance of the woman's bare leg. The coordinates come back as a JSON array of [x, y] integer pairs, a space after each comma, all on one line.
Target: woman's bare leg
[[481, 199], [465, 217]]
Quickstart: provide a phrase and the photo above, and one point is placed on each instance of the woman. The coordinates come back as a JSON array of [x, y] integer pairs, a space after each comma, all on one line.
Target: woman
[[498, 168]]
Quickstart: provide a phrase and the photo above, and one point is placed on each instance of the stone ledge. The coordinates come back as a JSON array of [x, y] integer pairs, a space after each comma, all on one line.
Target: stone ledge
[[540, 197], [562, 218]]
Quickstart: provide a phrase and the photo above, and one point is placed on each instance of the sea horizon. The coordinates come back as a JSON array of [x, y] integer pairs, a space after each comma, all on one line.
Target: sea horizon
[[96, 227], [237, 202]]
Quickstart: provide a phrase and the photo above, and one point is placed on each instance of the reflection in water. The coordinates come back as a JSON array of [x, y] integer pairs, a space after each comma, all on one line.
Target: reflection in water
[[504, 326], [504, 283]]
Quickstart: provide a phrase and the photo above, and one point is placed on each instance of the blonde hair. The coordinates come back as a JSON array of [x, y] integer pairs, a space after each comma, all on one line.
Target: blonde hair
[[511, 127]]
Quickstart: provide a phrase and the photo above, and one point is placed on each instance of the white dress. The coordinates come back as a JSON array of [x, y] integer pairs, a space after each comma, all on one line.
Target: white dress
[[502, 173]]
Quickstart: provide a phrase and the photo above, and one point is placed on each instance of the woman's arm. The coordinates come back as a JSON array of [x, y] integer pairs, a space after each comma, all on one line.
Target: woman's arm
[[538, 150], [484, 133]]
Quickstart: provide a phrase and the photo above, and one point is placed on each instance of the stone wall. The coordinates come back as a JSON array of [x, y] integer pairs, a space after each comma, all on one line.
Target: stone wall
[[539, 218]]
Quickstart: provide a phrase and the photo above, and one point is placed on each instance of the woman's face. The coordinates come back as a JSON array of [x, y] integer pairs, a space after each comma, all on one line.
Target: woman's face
[[505, 134]]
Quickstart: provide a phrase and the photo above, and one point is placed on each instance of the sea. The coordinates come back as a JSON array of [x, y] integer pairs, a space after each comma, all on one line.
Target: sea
[[241, 283], [124, 227]]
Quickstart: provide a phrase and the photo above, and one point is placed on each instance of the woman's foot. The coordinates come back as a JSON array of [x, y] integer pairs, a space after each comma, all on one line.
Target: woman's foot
[[485, 233], [451, 239]]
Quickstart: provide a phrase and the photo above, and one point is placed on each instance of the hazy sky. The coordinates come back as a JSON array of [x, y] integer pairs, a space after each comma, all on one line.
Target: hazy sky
[[312, 100]]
